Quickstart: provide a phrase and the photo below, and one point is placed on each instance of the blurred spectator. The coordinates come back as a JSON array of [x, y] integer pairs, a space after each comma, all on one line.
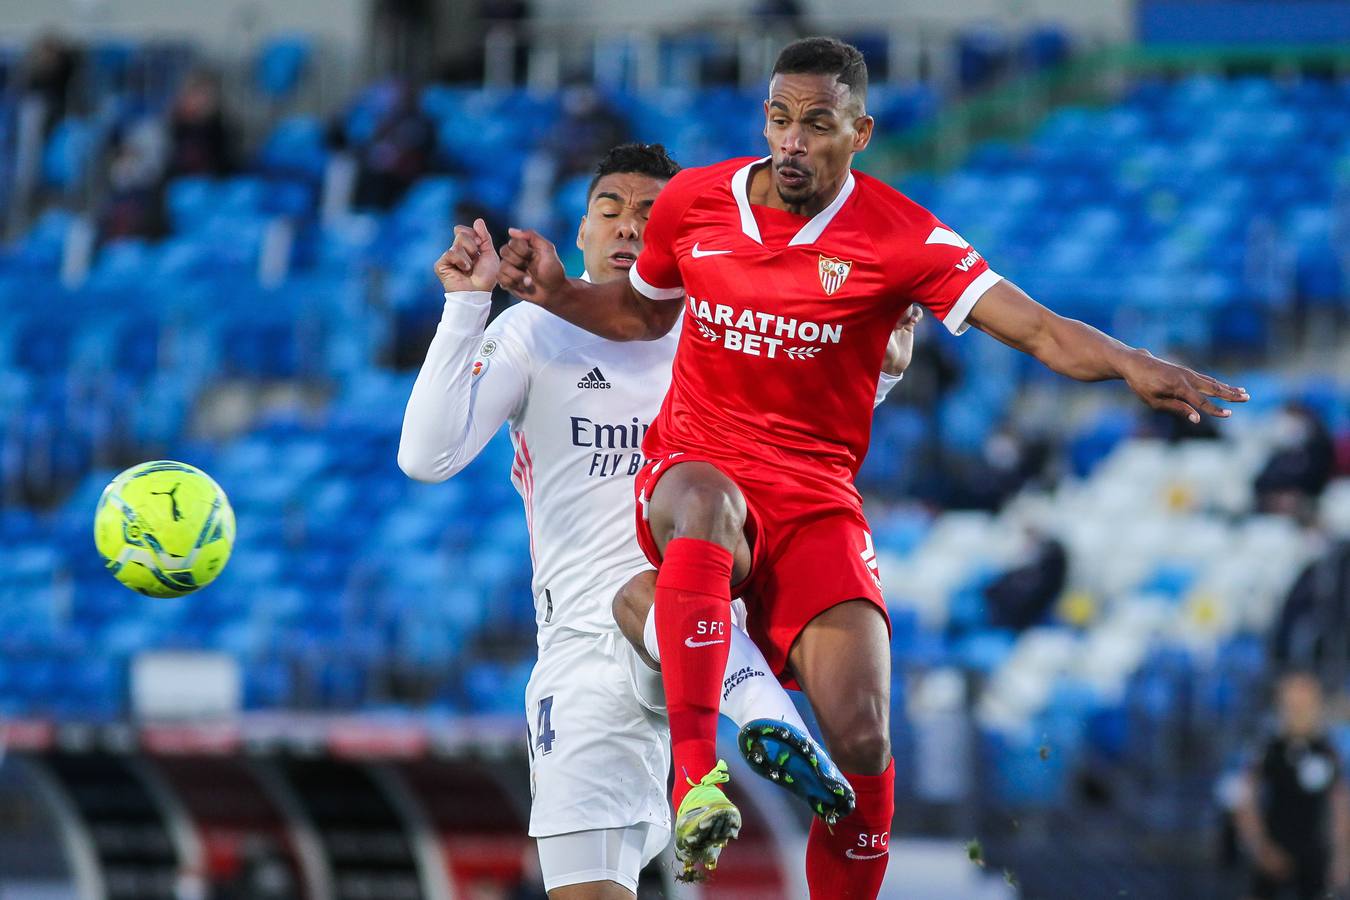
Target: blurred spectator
[[47, 73], [1020, 597], [201, 138], [586, 130], [1313, 630], [399, 152], [1007, 462], [134, 206], [402, 37], [1294, 817], [1301, 466]]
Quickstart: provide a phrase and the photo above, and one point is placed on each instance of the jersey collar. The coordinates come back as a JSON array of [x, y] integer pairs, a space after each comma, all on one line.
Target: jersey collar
[[810, 232]]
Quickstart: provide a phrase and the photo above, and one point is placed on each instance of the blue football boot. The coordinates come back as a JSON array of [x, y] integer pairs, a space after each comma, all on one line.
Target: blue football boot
[[788, 757]]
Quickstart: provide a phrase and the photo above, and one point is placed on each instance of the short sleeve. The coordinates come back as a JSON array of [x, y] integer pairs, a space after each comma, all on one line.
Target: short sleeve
[[656, 275], [949, 276]]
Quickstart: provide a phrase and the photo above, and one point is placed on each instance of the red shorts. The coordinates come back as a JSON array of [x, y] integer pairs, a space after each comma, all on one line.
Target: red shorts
[[811, 549]]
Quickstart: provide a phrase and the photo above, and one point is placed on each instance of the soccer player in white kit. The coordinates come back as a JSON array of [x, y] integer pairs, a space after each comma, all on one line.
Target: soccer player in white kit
[[578, 407]]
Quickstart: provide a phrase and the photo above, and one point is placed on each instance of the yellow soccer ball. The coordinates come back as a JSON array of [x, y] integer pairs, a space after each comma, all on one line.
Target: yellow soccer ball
[[164, 528]]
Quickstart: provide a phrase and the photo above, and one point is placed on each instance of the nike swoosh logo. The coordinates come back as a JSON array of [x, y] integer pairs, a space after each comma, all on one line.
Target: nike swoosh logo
[[699, 254], [690, 642], [851, 855]]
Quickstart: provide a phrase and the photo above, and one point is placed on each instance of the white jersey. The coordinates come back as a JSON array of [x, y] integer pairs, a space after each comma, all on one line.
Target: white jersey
[[578, 407]]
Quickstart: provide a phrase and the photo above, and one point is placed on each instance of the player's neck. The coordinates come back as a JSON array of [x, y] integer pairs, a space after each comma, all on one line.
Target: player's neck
[[761, 192]]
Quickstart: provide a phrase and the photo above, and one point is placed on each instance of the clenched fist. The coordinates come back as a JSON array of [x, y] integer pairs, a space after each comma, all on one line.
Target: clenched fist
[[471, 263]]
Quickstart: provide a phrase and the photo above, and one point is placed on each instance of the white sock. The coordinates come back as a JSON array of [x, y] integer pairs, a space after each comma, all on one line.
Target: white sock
[[749, 690]]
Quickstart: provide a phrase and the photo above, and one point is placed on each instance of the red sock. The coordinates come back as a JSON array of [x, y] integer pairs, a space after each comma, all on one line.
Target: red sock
[[693, 630], [850, 863]]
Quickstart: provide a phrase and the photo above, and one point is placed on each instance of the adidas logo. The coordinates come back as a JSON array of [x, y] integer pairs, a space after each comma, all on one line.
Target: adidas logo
[[594, 380]]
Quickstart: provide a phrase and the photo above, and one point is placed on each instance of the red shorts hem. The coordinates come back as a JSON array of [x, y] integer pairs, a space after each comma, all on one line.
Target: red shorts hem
[[814, 553], [646, 481]]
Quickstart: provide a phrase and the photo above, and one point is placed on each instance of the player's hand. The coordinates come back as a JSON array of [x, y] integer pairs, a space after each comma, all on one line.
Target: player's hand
[[900, 348], [1177, 389], [471, 263], [530, 267]]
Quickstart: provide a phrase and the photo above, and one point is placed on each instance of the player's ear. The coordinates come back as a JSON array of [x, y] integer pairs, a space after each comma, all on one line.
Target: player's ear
[[581, 233], [862, 133]]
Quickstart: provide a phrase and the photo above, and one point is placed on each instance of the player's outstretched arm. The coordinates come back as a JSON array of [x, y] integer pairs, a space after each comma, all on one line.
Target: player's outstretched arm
[[1080, 351], [533, 272]]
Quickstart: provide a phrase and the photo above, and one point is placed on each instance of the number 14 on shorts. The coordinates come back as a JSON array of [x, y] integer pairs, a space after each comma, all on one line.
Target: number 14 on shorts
[[544, 730]]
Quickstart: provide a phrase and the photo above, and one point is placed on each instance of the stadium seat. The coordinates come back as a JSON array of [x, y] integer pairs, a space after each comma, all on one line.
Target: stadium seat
[[281, 64]]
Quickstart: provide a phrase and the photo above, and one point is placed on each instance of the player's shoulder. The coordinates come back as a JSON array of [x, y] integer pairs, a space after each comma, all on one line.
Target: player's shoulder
[[693, 181], [878, 199], [529, 320], [526, 326], [536, 331]]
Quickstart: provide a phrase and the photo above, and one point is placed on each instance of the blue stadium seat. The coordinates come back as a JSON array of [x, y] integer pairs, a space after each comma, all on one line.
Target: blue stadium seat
[[281, 64]]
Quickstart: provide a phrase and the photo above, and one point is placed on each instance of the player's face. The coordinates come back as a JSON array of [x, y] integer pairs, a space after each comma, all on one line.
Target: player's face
[[814, 125], [610, 236]]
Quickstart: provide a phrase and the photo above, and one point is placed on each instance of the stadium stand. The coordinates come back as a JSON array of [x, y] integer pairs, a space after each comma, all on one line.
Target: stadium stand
[[1203, 214]]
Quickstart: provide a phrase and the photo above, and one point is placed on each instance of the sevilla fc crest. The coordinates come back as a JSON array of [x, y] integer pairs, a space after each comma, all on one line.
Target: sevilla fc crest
[[833, 273]]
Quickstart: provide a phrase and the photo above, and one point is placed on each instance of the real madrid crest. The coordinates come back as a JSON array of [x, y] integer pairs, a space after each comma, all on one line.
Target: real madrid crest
[[833, 273]]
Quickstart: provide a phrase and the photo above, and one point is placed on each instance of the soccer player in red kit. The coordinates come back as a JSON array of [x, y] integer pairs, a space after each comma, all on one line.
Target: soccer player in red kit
[[791, 271]]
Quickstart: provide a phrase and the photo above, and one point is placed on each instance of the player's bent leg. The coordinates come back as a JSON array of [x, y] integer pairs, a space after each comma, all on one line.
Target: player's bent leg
[[842, 659], [785, 753], [697, 517], [774, 739], [632, 606], [697, 500]]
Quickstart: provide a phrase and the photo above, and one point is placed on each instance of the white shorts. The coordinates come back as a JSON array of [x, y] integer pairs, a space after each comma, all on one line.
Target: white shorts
[[612, 854], [599, 759]]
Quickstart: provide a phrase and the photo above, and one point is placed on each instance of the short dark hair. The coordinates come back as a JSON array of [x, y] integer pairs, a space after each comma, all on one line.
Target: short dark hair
[[825, 56], [637, 159]]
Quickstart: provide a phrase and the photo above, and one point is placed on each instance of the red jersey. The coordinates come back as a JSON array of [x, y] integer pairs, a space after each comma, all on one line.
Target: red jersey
[[787, 317]]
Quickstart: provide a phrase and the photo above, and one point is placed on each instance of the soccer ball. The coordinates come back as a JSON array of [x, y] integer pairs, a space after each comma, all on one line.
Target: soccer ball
[[164, 528]]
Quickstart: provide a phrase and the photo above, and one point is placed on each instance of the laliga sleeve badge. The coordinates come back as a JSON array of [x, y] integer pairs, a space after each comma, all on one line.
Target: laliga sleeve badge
[[480, 364]]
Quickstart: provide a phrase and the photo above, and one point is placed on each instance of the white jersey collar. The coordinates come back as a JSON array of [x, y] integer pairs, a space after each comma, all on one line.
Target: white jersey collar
[[810, 232], [586, 276]]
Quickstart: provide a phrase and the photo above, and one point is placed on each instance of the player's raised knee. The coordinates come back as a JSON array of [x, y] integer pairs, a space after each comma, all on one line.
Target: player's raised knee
[[708, 506]]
